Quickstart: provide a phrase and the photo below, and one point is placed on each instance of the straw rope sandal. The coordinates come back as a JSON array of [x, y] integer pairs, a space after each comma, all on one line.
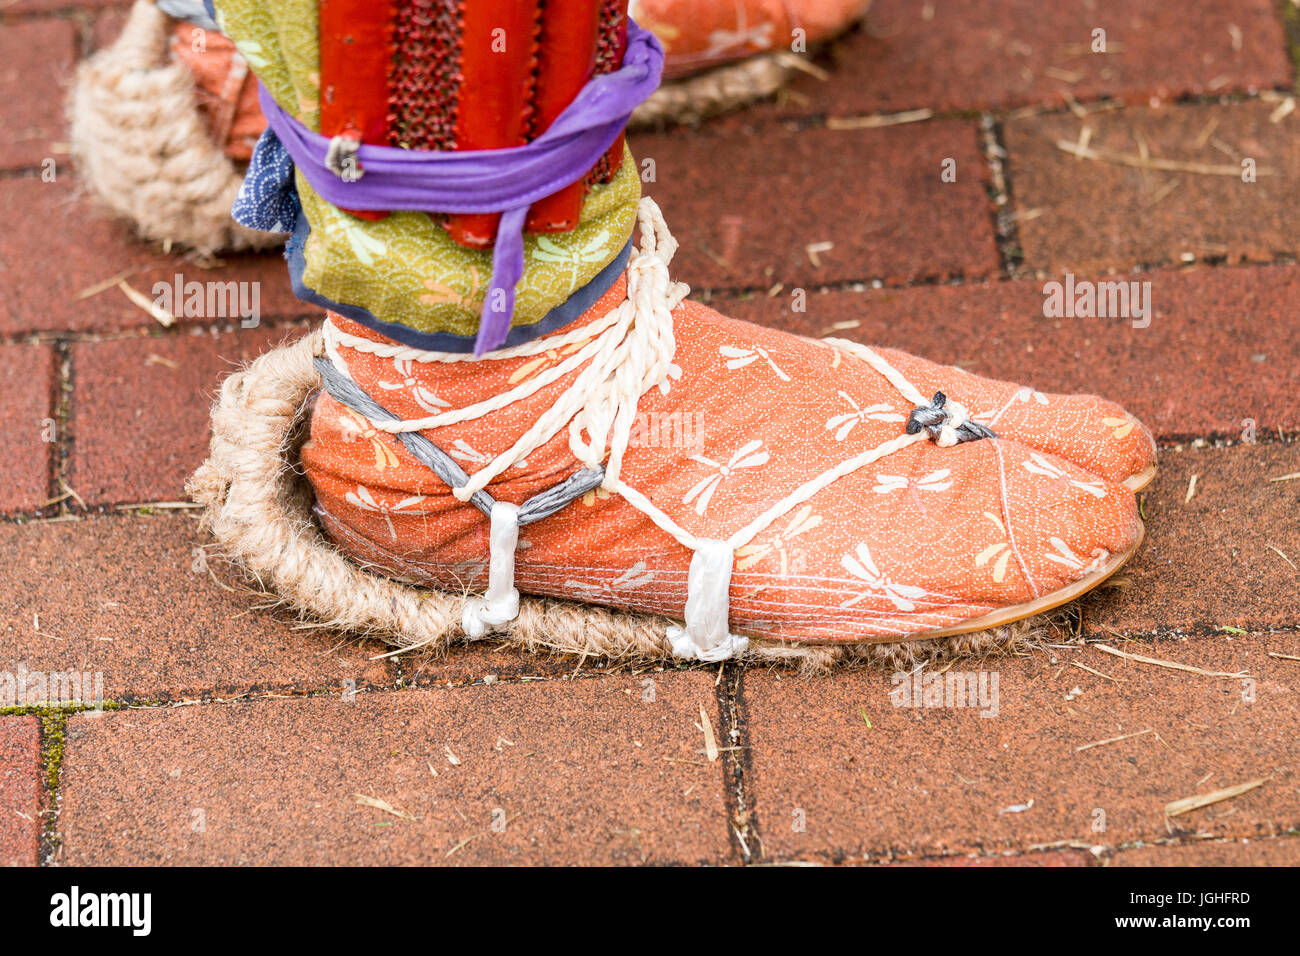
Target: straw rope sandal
[[147, 150], [259, 509], [724, 55], [909, 522]]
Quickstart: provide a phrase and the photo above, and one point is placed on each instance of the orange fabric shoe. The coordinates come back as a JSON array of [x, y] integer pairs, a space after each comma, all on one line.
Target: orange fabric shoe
[[696, 35], [748, 480], [224, 86]]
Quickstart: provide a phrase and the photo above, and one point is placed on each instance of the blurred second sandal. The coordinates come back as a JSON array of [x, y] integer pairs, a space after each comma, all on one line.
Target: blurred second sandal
[[723, 54], [162, 124], [520, 423]]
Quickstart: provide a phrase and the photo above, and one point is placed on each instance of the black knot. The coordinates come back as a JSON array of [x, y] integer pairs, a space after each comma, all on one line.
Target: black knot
[[934, 416]]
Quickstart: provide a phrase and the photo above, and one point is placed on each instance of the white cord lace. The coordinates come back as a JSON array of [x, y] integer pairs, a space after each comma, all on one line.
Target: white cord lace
[[629, 351]]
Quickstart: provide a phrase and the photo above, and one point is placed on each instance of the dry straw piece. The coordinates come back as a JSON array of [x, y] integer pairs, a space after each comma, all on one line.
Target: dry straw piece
[[142, 146], [258, 507]]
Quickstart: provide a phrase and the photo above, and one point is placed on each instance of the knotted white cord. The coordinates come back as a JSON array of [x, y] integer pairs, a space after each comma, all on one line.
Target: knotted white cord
[[500, 604], [956, 414], [631, 352]]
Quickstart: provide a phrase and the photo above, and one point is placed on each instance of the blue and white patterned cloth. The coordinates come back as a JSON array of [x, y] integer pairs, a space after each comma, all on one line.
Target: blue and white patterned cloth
[[268, 199]]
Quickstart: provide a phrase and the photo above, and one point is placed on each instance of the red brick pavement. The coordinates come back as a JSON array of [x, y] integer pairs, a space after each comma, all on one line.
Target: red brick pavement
[[29, 430], [138, 422], [1115, 215], [68, 247], [565, 772], [746, 202], [582, 765], [131, 597], [1228, 557], [964, 54], [36, 63], [22, 791], [947, 780], [1281, 851]]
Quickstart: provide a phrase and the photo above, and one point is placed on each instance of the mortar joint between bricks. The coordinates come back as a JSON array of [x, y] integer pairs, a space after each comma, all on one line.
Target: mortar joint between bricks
[[992, 145], [53, 739], [62, 399], [742, 823]]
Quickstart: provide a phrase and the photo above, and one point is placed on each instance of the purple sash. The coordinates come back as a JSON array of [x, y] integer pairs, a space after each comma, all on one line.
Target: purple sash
[[505, 181]]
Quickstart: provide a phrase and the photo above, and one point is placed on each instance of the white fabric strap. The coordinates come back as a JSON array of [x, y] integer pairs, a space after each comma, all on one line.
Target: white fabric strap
[[500, 605], [706, 636]]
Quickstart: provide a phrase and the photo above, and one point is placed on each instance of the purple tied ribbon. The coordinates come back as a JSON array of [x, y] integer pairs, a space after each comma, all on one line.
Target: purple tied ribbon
[[505, 181]]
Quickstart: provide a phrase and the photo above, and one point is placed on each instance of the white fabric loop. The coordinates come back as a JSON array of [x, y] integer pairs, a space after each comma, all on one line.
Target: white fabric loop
[[707, 635], [500, 604]]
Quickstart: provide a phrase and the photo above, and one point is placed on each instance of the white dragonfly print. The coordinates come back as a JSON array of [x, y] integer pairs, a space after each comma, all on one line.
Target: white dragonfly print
[[1121, 426], [463, 450], [364, 245], [611, 592], [1038, 465], [591, 251], [999, 553], [425, 397], [744, 36], [751, 455], [864, 567], [363, 499], [842, 425], [1071, 560], [738, 357], [934, 481], [1019, 396], [751, 554], [356, 427]]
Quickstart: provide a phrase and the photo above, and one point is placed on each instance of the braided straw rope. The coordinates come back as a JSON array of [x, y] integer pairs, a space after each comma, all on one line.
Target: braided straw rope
[[142, 145], [259, 509], [719, 90]]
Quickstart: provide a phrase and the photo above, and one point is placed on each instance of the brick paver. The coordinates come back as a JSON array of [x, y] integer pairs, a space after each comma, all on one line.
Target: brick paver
[[28, 429], [128, 597], [1114, 216], [1239, 322], [586, 771], [139, 419], [68, 246], [22, 791], [929, 781], [36, 61], [19, 7], [107, 26], [1039, 858], [746, 203], [1281, 851], [1214, 560], [964, 54]]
